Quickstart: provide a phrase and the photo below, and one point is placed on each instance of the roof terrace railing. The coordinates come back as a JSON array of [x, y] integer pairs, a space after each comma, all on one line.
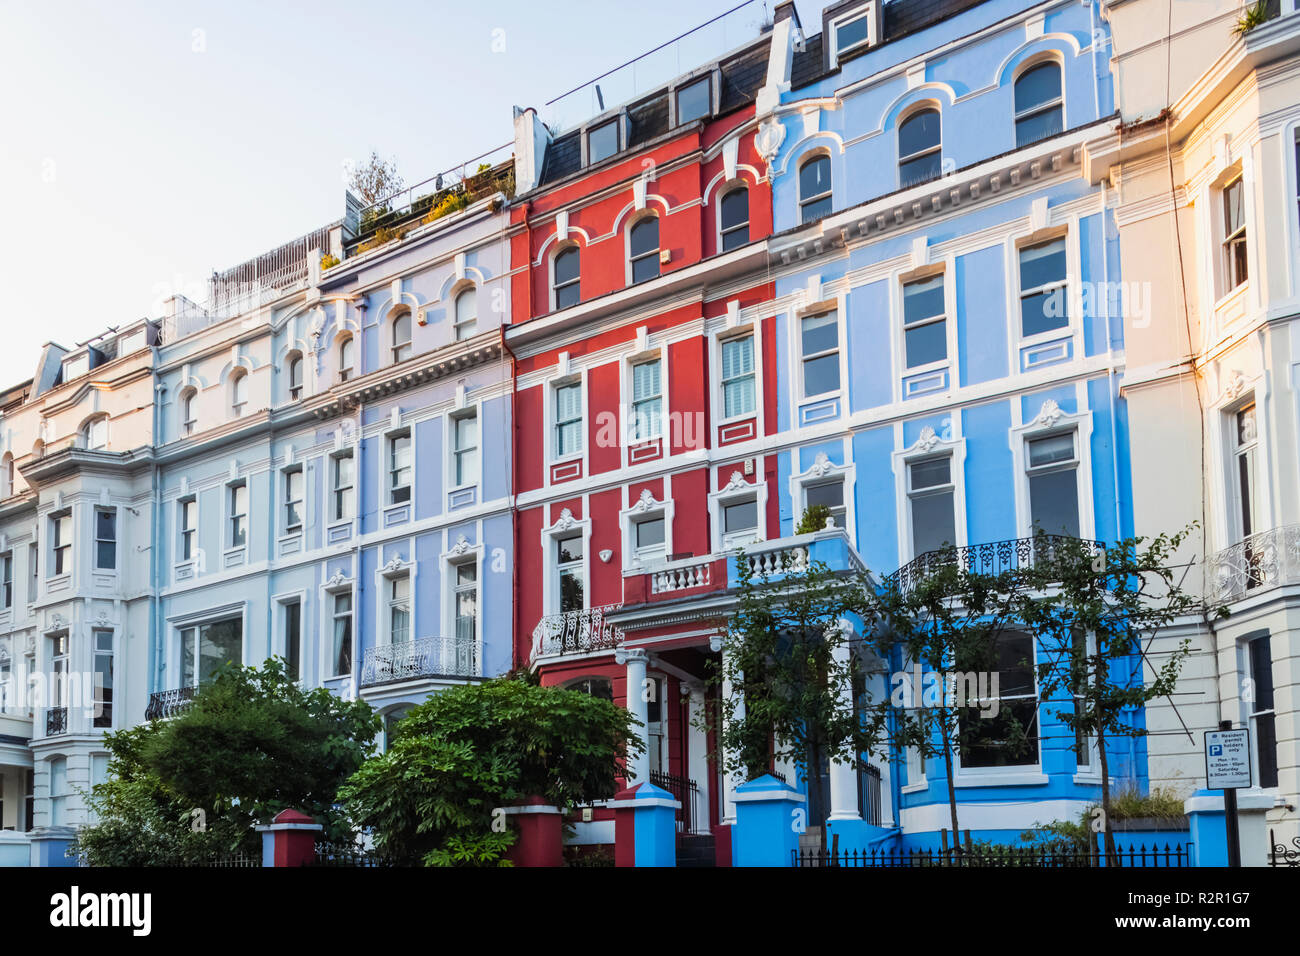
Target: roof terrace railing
[[656, 67]]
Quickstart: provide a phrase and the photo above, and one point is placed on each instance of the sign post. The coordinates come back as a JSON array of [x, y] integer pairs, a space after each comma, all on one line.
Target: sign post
[[1227, 767]]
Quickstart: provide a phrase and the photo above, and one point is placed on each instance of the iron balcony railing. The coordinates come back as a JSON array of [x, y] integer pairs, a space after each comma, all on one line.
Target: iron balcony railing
[[686, 792], [1264, 560], [56, 721], [576, 632], [168, 703], [992, 557], [427, 657]]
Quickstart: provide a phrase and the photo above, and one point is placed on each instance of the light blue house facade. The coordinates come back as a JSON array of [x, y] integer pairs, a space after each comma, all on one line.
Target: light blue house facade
[[949, 338], [335, 464]]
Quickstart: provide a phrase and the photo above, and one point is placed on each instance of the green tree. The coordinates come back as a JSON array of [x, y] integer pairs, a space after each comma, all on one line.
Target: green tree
[[1090, 610], [250, 744], [468, 750]]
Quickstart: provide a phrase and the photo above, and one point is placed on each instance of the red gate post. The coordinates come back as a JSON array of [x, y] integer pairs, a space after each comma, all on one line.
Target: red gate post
[[289, 839]]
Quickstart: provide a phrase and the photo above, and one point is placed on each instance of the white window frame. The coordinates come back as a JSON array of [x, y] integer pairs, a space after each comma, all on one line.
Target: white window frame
[[389, 467], [1254, 451], [564, 526], [821, 309], [824, 471], [400, 351], [238, 392], [459, 332], [628, 257], [1058, 103], [474, 411], [395, 571], [292, 360], [866, 10], [949, 361], [680, 88], [645, 508], [735, 186], [179, 625], [805, 201], [654, 356], [282, 603], [1052, 420], [1227, 239], [350, 489], [95, 437], [332, 590], [62, 552], [345, 372], [617, 123], [182, 531], [553, 424], [1026, 773], [722, 341], [188, 419], [460, 554], [228, 490], [286, 503], [930, 443], [116, 540], [737, 490], [926, 106], [560, 249], [1073, 328]]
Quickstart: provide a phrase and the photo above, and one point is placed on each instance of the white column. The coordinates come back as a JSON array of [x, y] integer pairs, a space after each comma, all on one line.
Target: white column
[[635, 660], [697, 756], [734, 778], [844, 776]]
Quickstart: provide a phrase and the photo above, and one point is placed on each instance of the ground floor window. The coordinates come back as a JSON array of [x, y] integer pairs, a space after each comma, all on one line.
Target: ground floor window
[[205, 648]]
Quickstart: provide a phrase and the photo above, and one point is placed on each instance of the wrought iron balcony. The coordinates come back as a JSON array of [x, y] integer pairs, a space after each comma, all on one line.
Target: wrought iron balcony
[[1262, 561], [992, 557], [427, 657], [56, 721], [168, 703], [576, 632]]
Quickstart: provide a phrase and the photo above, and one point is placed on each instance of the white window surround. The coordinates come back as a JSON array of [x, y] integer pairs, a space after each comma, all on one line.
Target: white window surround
[[462, 552], [348, 451], [304, 503], [238, 392], [464, 327], [331, 588], [345, 348], [291, 385], [631, 224], [1050, 419], [1056, 57], [179, 624], [730, 186], [1026, 774], [645, 507], [392, 343], [898, 342], [396, 568], [737, 490], [1073, 329], [564, 526], [740, 331], [188, 418], [1092, 772], [227, 533], [550, 441], [928, 445], [656, 353], [386, 502], [281, 648], [802, 201], [1211, 227], [865, 10], [469, 410], [554, 254], [839, 306], [1239, 393], [823, 471], [911, 111]]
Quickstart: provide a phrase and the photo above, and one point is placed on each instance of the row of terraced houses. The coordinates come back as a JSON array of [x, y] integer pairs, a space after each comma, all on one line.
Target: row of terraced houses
[[956, 270]]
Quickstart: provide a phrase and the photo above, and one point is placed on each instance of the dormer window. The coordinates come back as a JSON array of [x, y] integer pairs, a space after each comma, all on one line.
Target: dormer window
[[693, 101], [851, 32], [602, 142]]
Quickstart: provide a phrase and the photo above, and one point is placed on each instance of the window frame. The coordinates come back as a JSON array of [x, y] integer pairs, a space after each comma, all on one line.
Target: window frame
[[187, 534], [400, 349], [707, 81], [1065, 286], [1234, 244], [807, 202], [1058, 103], [905, 326], [616, 123], [111, 513], [459, 324], [804, 358], [189, 421], [915, 494], [558, 452], [104, 719], [61, 552], [237, 521], [456, 476], [293, 370], [238, 392], [652, 256], [724, 381], [559, 288], [345, 349], [724, 230], [398, 495], [655, 400], [966, 774], [340, 493], [937, 149], [288, 502], [333, 617]]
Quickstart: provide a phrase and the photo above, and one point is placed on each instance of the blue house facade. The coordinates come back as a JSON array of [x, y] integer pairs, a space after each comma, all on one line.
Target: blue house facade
[[335, 464], [948, 336]]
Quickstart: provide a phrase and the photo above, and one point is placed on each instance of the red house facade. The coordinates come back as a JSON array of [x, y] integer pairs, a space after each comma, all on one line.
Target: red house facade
[[641, 356]]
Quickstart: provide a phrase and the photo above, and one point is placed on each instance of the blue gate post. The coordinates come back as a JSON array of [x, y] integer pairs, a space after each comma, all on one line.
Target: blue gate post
[[645, 826], [1205, 813], [766, 831]]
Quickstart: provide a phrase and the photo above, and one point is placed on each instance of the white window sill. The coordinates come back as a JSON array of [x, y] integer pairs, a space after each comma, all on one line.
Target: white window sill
[[1051, 335], [1228, 298], [920, 787], [1016, 778]]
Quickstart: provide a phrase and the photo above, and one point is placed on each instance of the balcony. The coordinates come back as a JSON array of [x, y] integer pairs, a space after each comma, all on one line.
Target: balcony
[[1262, 561], [56, 721], [990, 558], [168, 703], [576, 632], [414, 660]]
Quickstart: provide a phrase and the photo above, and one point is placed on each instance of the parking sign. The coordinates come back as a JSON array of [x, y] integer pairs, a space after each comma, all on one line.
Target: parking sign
[[1227, 759]]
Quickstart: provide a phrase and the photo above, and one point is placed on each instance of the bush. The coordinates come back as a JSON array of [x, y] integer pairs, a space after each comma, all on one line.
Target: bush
[[813, 519]]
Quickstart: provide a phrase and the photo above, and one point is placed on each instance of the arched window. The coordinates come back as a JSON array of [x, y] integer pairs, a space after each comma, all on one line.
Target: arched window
[[734, 219], [188, 418], [391, 720], [815, 188], [94, 433], [295, 376], [643, 249], [402, 337], [566, 278], [601, 687], [919, 156], [238, 393], [346, 352], [466, 313], [1040, 111]]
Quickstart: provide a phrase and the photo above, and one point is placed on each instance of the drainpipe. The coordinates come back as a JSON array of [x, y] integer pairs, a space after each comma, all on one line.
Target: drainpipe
[[155, 537], [514, 510]]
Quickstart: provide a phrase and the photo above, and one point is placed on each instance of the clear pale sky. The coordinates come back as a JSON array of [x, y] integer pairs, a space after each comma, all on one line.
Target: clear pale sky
[[144, 144]]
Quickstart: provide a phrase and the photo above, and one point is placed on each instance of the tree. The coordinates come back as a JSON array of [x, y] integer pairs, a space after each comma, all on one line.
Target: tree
[[1090, 610], [947, 622], [250, 744], [471, 749], [376, 179], [794, 666]]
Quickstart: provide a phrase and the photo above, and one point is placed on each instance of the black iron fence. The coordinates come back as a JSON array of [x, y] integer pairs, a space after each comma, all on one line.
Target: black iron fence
[[56, 721], [990, 557], [684, 791], [168, 703], [995, 857], [347, 855], [1280, 854]]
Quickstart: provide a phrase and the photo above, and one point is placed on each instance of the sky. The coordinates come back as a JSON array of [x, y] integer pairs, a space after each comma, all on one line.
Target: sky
[[145, 144]]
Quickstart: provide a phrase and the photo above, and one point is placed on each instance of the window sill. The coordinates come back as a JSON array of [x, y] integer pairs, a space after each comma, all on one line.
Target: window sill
[[1015, 778], [920, 787], [1050, 335]]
